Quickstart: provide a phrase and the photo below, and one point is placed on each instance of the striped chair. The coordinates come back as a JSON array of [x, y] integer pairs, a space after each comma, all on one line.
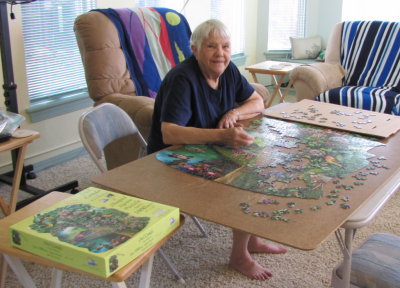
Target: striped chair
[[362, 68]]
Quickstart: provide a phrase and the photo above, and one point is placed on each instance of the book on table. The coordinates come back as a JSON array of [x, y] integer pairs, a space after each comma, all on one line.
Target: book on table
[[96, 230]]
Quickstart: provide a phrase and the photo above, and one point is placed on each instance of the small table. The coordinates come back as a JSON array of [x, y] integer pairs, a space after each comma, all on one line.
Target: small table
[[13, 255], [275, 69], [11, 144]]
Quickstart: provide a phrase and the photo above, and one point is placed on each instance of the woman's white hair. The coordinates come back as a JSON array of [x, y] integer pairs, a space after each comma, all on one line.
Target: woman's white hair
[[212, 27]]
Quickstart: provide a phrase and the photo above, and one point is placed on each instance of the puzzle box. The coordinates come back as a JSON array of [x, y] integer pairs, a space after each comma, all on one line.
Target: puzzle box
[[97, 231]]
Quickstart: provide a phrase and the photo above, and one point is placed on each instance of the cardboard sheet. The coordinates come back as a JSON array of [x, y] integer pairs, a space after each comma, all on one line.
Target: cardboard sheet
[[338, 117]]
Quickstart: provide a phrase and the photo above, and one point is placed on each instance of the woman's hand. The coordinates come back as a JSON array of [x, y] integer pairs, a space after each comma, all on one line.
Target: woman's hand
[[237, 137], [229, 120], [250, 108]]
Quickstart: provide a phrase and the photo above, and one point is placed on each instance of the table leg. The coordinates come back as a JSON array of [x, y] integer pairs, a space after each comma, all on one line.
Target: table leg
[[171, 266], [348, 239], [56, 278], [4, 206], [3, 272], [17, 178], [254, 77], [23, 276], [145, 274], [118, 285], [346, 247], [8, 209], [286, 91], [278, 84]]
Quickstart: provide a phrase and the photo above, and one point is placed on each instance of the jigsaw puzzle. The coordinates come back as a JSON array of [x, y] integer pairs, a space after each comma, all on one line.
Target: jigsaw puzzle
[[287, 159]]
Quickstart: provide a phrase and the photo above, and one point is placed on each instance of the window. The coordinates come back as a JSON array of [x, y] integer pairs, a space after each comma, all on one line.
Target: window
[[53, 64], [233, 19], [195, 14], [177, 5], [385, 10], [286, 19]]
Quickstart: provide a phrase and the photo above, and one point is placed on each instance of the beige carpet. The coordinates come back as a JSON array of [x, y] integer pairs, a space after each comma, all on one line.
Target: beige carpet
[[202, 261]]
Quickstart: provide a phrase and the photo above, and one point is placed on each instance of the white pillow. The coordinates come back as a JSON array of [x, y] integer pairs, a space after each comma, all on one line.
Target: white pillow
[[305, 48]]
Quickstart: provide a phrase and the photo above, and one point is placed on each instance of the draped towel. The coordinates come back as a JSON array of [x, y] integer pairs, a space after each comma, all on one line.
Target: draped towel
[[370, 54], [153, 40]]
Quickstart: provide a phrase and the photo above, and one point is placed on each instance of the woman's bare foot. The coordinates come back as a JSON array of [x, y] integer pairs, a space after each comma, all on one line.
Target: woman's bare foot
[[256, 245], [241, 260], [250, 268]]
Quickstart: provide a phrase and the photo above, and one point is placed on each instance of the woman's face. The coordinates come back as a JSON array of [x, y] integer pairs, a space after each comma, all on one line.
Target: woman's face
[[213, 56]]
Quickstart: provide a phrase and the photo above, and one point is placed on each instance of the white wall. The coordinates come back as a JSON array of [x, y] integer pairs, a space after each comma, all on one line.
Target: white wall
[[59, 134], [329, 13]]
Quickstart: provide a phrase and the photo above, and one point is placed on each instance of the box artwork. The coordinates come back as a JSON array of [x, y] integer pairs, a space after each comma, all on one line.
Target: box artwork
[[97, 231]]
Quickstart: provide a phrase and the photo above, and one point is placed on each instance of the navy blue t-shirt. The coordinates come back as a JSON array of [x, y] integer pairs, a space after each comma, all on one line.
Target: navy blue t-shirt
[[186, 99]]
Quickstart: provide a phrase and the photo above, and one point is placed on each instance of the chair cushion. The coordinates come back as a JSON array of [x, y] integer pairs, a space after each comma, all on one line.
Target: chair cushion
[[379, 99], [104, 62], [376, 263]]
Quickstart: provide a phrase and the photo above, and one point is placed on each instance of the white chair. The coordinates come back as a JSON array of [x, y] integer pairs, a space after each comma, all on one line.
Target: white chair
[[108, 133], [107, 130], [110, 136]]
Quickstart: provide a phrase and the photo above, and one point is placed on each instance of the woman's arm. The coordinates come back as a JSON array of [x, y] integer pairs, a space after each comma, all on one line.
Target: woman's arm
[[249, 108], [175, 134]]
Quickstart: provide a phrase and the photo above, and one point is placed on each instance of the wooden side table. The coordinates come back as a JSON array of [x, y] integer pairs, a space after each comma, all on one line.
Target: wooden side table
[[278, 71], [11, 144], [13, 255]]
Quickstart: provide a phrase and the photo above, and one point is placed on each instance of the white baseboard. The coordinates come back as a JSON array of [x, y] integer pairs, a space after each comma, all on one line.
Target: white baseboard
[[57, 159]]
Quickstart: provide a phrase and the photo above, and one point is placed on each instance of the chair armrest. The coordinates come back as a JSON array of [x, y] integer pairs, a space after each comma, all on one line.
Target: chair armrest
[[263, 91], [312, 80]]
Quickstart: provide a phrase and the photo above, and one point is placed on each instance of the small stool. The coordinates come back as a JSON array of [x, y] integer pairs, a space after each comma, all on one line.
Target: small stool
[[376, 263]]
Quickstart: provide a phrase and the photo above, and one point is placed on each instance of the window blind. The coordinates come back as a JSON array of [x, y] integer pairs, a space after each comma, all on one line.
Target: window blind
[[287, 18], [172, 4], [53, 61], [231, 13]]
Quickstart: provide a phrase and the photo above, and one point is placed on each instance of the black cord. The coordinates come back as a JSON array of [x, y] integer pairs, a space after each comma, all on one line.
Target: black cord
[[12, 15], [16, 2]]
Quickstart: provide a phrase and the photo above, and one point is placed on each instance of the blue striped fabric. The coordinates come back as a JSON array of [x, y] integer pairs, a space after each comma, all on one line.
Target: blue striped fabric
[[380, 99], [371, 56]]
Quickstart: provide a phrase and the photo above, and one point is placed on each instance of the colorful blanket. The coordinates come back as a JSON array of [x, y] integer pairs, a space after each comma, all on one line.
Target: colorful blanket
[[153, 41]]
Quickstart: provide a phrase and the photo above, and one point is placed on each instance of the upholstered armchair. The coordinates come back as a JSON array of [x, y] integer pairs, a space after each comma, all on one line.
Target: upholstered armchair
[[361, 69], [132, 85]]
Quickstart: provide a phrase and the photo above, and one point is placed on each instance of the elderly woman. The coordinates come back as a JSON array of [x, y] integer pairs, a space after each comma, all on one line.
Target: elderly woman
[[197, 104]]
